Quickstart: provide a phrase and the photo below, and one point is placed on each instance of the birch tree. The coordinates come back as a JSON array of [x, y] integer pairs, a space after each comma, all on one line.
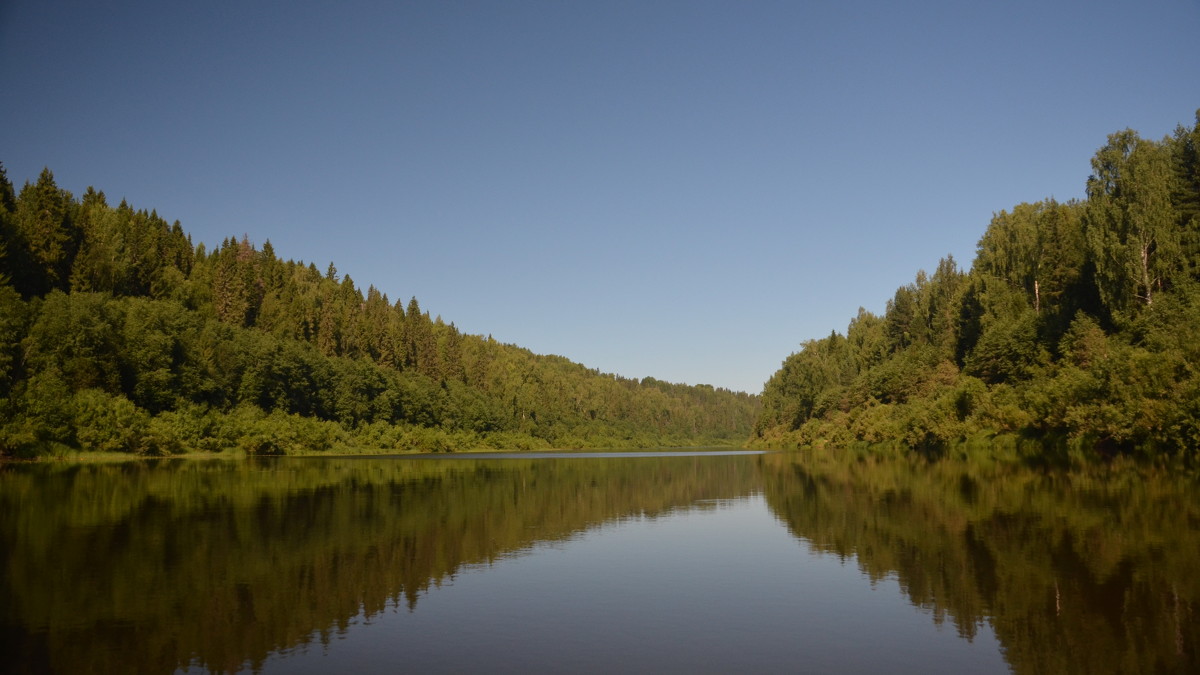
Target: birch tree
[[1130, 223]]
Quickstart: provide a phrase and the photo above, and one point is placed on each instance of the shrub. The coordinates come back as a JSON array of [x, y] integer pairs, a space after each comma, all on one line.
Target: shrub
[[107, 423]]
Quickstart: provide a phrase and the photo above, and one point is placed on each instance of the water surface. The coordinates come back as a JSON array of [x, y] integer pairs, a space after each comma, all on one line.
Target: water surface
[[655, 562]]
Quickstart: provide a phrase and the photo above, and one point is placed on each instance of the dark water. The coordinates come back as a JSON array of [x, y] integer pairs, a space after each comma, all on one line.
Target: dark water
[[592, 563]]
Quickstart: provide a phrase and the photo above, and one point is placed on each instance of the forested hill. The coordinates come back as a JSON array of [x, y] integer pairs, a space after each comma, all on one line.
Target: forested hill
[[1078, 322], [117, 334]]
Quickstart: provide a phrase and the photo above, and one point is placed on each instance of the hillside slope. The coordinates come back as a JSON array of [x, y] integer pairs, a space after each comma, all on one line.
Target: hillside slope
[[1077, 323], [118, 334]]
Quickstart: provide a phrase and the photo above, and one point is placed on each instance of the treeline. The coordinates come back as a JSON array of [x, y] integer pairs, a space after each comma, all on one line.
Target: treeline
[[1077, 324], [118, 334]]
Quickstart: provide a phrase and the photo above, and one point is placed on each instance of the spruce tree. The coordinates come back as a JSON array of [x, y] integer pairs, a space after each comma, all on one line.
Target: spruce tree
[[44, 226]]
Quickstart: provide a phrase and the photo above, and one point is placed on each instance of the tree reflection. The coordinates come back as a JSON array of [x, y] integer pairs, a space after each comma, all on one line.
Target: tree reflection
[[153, 567], [1082, 572]]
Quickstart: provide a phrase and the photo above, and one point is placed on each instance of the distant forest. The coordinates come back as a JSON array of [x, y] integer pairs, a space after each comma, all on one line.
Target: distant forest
[[1077, 325], [117, 334]]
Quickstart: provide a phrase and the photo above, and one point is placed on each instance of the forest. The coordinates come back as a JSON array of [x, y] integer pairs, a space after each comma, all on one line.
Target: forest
[[1075, 332], [119, 335]]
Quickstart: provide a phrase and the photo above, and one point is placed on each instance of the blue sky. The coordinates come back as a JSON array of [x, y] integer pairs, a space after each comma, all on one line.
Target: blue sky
[[686, 190]]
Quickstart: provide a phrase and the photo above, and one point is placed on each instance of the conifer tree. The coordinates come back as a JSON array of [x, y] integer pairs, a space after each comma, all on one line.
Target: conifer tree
[[8, 208], [1185, 191], [44, 226]]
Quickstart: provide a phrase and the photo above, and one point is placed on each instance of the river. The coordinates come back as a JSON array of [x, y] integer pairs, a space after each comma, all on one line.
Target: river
[[597, 563]]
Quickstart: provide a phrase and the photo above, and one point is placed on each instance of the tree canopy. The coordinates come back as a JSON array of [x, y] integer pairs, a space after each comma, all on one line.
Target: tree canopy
[[118, 333], [1076, 323]]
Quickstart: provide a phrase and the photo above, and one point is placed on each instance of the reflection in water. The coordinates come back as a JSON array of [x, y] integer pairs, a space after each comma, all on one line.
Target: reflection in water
[[149, 567], [1076, 573], [157, 566]]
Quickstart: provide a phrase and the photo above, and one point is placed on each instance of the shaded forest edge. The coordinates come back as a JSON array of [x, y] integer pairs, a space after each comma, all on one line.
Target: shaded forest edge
[[1077, 325], [118, 335]]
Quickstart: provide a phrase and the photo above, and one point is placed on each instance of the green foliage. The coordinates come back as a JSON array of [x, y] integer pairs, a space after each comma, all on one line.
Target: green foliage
[[1009, 351], [8, 229], [127, 252], [908, 374], [1131, 226], [166, 347], [45, 235], [283, 434], [77, 337], [12, 327], [40, 417], [1076, 321], [106, 423], [792, 394]]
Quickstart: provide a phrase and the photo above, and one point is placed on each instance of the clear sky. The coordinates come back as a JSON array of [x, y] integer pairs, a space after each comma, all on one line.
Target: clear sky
[[685, 190]]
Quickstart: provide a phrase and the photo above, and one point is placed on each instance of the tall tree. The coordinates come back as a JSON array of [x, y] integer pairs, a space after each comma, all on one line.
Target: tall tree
[[1131, 228], [237, 284], [1038, 250], [44, 226], [98, 265], [1185, 193], [941, 301], [8, 210]]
